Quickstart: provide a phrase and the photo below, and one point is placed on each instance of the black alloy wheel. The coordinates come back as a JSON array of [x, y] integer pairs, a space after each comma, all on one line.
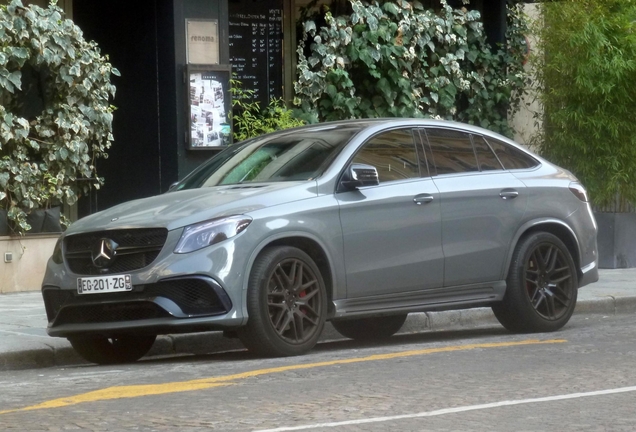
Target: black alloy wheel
[[542, 286], [293, 300], [548, 278], [287, 303]]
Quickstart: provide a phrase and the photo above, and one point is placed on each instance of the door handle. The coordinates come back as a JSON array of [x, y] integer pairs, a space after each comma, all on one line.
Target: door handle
[[508, 193], [423, 199]]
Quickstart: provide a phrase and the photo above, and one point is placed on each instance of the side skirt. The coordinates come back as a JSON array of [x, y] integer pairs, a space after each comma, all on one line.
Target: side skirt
[[437, 299]]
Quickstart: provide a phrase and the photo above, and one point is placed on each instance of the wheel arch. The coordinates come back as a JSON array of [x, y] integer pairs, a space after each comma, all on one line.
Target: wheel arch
[[555, 227], [308, 244]]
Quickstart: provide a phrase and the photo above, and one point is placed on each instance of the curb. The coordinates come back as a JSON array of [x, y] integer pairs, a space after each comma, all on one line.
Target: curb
[[214, 342]]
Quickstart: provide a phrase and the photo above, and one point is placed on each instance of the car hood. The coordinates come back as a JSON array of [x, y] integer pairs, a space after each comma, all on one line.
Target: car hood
[[178, 209]]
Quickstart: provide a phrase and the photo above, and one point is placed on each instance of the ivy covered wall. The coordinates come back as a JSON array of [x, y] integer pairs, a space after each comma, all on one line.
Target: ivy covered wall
[[399, 59]]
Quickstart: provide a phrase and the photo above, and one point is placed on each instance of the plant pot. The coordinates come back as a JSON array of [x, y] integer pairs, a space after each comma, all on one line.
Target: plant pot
[[4, 223], [36, 220], [52, 221], [616, 240]]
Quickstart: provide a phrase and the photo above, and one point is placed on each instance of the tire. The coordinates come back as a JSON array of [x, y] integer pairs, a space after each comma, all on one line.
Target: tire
[[366, 329], [542, 286], [286, 304], [120, 349]]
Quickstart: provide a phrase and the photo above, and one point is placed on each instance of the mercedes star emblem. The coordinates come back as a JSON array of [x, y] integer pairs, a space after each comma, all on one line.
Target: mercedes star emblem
[[103, 253]]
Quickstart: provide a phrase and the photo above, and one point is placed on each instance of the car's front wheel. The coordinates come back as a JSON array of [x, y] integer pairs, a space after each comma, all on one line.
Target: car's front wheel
[[286, 303], [541, 288], [373, 328], [114, 350]]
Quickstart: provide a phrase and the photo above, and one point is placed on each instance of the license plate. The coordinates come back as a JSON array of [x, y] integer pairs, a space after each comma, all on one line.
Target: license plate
[[103, 284]]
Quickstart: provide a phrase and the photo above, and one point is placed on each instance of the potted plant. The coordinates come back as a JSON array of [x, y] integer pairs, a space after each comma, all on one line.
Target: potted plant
[[4, 224], [55, 115]]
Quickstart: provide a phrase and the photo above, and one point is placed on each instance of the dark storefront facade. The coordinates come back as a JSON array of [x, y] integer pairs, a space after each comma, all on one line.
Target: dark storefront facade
[[146, 41]]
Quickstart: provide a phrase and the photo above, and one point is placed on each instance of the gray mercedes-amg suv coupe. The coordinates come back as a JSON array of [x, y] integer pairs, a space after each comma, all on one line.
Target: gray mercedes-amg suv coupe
[[356, 222]]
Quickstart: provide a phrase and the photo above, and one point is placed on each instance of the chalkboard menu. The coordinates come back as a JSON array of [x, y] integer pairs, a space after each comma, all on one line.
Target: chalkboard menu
[[256, 46]]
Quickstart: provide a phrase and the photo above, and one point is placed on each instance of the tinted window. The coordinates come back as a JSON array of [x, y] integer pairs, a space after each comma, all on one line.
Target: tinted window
[[392, 153], [510, 157], [452, 151], [486, 158], [301, 155]]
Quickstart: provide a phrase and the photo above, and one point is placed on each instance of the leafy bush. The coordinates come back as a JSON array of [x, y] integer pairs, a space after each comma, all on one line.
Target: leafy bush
[[55, 117], [249, 120], [396, 59], [587, 88]]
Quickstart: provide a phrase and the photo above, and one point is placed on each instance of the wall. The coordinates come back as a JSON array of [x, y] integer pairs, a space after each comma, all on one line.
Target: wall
[[26, 270], [524, 122]]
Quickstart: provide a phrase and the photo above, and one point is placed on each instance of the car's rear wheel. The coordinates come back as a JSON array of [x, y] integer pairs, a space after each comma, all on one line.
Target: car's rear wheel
[[541, 288], [370, 328], [120, 349], [286, 303]]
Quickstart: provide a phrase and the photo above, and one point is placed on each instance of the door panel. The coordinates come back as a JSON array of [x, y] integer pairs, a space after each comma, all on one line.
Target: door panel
[[391, 243], [480, 214]]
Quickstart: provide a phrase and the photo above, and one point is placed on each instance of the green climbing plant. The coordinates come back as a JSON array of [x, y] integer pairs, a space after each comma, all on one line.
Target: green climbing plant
[[397, 59], [55, 115], [250, 120]]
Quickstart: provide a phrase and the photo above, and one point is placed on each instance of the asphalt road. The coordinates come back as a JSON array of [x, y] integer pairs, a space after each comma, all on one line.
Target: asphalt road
[[581, 378]]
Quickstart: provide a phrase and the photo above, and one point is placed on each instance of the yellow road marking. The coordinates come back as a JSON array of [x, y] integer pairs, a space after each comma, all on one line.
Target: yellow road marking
[[132, 391]]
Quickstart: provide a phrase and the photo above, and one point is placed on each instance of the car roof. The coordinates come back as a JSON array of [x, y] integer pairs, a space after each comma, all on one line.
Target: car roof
[[388, 122]]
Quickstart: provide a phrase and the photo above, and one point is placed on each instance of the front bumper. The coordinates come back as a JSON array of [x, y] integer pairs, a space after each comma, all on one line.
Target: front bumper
[[589, 274], [172, 305], [176, 293]]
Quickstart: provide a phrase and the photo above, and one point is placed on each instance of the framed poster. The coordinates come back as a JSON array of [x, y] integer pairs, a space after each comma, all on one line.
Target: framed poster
[[209, 102], [202, 40]]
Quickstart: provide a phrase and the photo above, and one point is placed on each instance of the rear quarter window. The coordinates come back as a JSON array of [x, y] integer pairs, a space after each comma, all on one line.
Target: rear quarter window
[[452, 151], [511, 157]]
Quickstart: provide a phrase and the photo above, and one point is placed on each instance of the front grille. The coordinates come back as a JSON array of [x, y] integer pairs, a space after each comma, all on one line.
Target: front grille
[[101, 313], [137, 248], [194, 296]]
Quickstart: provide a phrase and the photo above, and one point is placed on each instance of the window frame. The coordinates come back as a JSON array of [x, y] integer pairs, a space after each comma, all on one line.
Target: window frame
[[432, 165], [472, 140], [429, 150], [525, 153], [418, 144]]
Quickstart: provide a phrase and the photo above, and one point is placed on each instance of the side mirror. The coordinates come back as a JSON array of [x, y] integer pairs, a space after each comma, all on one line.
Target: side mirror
[[173, 186], [359, 175]]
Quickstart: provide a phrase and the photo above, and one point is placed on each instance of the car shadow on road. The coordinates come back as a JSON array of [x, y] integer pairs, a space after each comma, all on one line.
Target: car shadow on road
[[232, 350], [415, 338]]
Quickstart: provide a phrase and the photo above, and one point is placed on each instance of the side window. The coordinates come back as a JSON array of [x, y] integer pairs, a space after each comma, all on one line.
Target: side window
[[392, 153], [452, 151], [510, 157], [486, 158]]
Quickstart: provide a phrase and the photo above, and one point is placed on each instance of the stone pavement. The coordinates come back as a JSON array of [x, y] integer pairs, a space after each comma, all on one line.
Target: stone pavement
[[24, 343]]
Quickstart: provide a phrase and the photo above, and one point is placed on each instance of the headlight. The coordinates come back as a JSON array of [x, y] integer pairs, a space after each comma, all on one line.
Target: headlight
[[207, 233]]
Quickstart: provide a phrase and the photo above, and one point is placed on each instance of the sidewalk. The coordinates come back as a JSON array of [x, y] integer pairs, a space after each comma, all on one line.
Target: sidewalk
[[24, 343]]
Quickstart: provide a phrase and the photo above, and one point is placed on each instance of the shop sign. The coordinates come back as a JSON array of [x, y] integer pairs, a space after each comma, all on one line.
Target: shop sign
[[202, 39]]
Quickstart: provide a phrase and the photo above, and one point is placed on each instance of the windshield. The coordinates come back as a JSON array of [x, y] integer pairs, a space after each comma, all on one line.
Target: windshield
[[298, 155]]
